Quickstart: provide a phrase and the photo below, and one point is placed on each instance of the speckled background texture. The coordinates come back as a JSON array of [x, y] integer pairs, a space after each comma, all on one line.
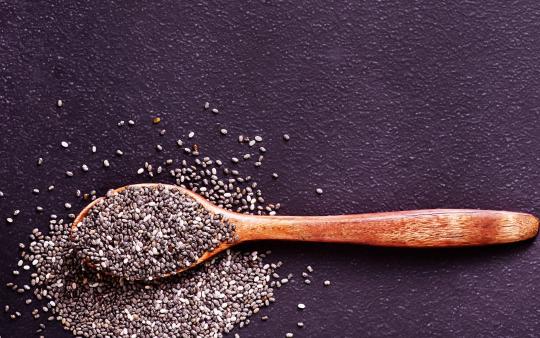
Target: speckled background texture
[[422, 104]]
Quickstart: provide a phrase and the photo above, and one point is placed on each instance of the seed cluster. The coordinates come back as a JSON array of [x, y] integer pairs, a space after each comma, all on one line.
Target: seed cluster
[[204, 302], [142, 232], [207, 301]]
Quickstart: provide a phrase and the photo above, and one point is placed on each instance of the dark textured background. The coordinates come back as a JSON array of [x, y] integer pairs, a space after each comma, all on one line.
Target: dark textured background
[[389, 106]]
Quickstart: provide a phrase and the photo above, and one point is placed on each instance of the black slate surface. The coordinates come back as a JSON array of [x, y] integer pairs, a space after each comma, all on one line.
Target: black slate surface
[[389, 106]]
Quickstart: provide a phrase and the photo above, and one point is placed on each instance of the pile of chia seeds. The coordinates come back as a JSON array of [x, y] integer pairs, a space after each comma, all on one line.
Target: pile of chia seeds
[[152, 229], [145, 232], [204, 302]]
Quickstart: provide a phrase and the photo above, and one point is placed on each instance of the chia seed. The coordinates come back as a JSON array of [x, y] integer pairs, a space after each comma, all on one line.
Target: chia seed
[[172, 231]]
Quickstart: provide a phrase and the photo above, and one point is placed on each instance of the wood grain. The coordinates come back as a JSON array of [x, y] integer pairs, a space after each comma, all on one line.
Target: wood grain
[[419, 228]]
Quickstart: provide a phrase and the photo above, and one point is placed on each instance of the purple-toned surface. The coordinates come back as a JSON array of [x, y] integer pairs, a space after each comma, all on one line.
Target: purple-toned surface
[[416, 105]]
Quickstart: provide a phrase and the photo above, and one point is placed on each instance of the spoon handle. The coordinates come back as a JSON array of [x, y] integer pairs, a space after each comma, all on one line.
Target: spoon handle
[[419, 228]]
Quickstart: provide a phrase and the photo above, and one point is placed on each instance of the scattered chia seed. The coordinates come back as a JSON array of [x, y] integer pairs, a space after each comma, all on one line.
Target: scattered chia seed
[[40, 161], [121, 123], [84, 167], [191, 134], [301, 306], [67, 205], [215, 110], [286, 137], [309, 268], [59, 103], [106, 163], [50, 188], [300, 324], [69, 173], [16, 212], [119, 152], [159, 147], [9, 220], [208, 301], [131, 122], [35, 191], [223, 131], [206, 105], [326, 283], [319, 191], [140, 171], [258, 138], [94, 149], [64, 144], [234, 160], [289, 335], [275, 176]]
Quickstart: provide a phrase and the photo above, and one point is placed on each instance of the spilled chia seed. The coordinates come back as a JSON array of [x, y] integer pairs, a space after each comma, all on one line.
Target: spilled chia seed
[[207, 301], [143, 232]]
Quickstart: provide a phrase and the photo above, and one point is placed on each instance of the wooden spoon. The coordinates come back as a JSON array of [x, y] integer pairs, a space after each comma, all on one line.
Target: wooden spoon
[[415, 229]]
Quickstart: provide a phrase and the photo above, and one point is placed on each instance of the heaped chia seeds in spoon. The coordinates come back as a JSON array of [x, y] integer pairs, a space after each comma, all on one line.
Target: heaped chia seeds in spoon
[[144, 232]]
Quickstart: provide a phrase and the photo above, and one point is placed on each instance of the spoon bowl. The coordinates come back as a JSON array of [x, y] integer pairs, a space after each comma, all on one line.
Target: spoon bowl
[[416, 229]]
